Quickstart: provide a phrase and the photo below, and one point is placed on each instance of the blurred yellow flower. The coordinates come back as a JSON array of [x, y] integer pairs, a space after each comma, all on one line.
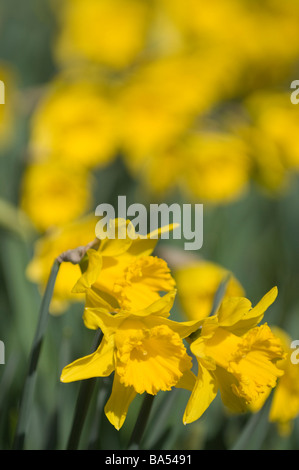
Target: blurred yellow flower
[[235, 356], [109, 32], [75, 122], [197, 285], [247, 32], [285, 402], [48, 248], [144, 349], [211, 167], [121, 273], [159, 101], [218, 168], [54, 194], [267, 168], [276, 119]]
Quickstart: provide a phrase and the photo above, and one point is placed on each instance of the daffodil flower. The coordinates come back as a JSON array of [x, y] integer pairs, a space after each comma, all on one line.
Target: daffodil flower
[[121, 273], [144, 349], [117, 31], [48, 247], [285, 404], [54, 195], [235, 356]]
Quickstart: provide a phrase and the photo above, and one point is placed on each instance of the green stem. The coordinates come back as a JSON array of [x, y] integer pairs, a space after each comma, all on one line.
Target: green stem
[[29, 386], [83, 401], [141, 422], [253, 434]]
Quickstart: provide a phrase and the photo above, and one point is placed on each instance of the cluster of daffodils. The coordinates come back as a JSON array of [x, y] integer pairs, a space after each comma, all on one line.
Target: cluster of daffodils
[[164, 84], [129, 294], [179, 86], [160, 84]]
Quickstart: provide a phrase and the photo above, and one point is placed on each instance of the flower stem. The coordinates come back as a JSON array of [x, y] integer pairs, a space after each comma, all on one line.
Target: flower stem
[[83, 401], [141, 422], [253, 434], [29, 386]]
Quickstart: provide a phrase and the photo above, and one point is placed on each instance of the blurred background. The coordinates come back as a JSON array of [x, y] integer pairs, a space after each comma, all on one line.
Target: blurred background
[[161, 101]]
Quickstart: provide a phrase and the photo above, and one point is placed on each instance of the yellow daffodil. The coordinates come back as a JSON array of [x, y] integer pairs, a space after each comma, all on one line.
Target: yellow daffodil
[[159, 102], [268, 169], [213, 167], [122, 273], [197, 285], [54, 194], [235, 356], [48, 248], [248, 33], [144, 349], [75, 122], [285, 403], [116, 31], [218, 167]]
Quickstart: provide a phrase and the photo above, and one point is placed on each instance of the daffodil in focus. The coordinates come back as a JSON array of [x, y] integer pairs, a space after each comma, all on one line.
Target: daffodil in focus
[[75, 122], [235, 356], [144, 349], [122, 273], [54, 194], [285, 403], [197, 285], [48, 247], [108, 32]]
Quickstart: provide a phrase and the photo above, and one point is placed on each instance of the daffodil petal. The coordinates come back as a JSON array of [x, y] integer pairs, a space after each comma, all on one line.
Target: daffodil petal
[[101, 318], [117, 406], [96, 298], [98, 364], [145, 245], [258, 311], [187, 381], [184, 329], [119, 237], [239, 317], [204, 392], [90, 276], [160, 307], [232, 310], [236, 404]]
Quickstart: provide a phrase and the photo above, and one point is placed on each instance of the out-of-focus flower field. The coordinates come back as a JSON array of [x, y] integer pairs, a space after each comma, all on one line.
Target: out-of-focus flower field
[[163, 101]]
